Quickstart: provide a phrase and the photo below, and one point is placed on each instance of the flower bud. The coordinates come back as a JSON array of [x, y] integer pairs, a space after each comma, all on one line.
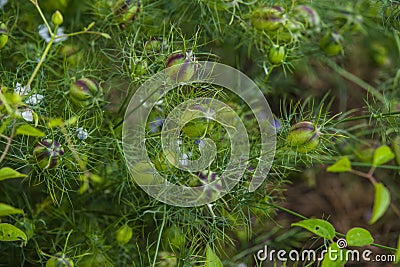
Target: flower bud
[[331, 44], [124, 234], [276, 55], [81, 133], [47, 153], [181, 67], [57, 18], [308, 16], [85, 92], [304, 136], [60, 260], [268, 18], [126, 11], [3, 35]]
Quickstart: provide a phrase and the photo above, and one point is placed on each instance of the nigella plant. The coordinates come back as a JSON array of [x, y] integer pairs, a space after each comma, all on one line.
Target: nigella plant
[[48, 154]]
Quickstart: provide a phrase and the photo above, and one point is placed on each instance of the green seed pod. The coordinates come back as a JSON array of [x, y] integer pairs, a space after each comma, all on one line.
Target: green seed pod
[[308, 16], [3, 35], [153, 45], [60, 260], [174, 237], [95, 259], [124, 234], [57, 18], [331, 44], [379, 54], [268, 18], [277, 55], [304, 136], [181, 67], [47, 154], [85, 92], [126, 11]]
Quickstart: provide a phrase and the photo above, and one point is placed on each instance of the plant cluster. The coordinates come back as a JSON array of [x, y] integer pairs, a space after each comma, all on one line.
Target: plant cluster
[[68, 69]]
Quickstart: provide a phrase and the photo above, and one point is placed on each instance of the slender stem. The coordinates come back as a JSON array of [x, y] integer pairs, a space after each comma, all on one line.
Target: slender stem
[[351, 77], [9, 140], [35, 3], [365, 175], [160, 235], [43, 57]]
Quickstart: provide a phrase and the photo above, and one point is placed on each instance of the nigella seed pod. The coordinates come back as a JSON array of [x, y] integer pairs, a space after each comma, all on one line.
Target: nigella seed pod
[[126, 11], [308, 16], [181, 67], [124, 234], [268, 18], [277, 55], [304, 136], [331, 44], [60, 260], [57, 18], [47, 153], [3, 35], [85, 92]]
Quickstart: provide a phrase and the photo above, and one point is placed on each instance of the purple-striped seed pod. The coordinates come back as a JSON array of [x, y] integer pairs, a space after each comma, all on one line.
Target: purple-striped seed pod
[[308, 16], [304, 136], [126, 11], [268, 18], [181, 67], [85, 91], [47, 153]]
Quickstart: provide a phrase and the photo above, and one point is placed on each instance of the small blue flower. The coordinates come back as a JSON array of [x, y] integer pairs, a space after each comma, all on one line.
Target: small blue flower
[[156, 125]]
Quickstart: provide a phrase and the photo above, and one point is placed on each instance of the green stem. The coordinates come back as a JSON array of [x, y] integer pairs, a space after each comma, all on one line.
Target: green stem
[[42, 58], [351, 77], [35, 3], [159, 236]]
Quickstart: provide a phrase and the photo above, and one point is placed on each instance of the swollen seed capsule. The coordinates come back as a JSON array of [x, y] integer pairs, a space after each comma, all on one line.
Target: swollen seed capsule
[[126, 11], [57, 18], [331, 44], [60, 260], [85, 92], [268, 18], [3, 35], [308, 16], [304, 136], [124, 234], [47, 153], [276, 55], [181, 67]]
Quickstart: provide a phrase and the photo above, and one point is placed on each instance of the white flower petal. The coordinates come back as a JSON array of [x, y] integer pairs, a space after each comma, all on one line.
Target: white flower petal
[[27, 115], [3, 3], [34, 99]]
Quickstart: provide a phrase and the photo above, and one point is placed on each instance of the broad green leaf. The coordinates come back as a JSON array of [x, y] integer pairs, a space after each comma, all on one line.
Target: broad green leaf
[[359, 237], [212, 259], [334, 256], [319, 227], [8, 173], [382, 155], [397, 254], [55, 122], [26, 129], [10, 233], [381, 202], [342, 165], [6, 210]]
